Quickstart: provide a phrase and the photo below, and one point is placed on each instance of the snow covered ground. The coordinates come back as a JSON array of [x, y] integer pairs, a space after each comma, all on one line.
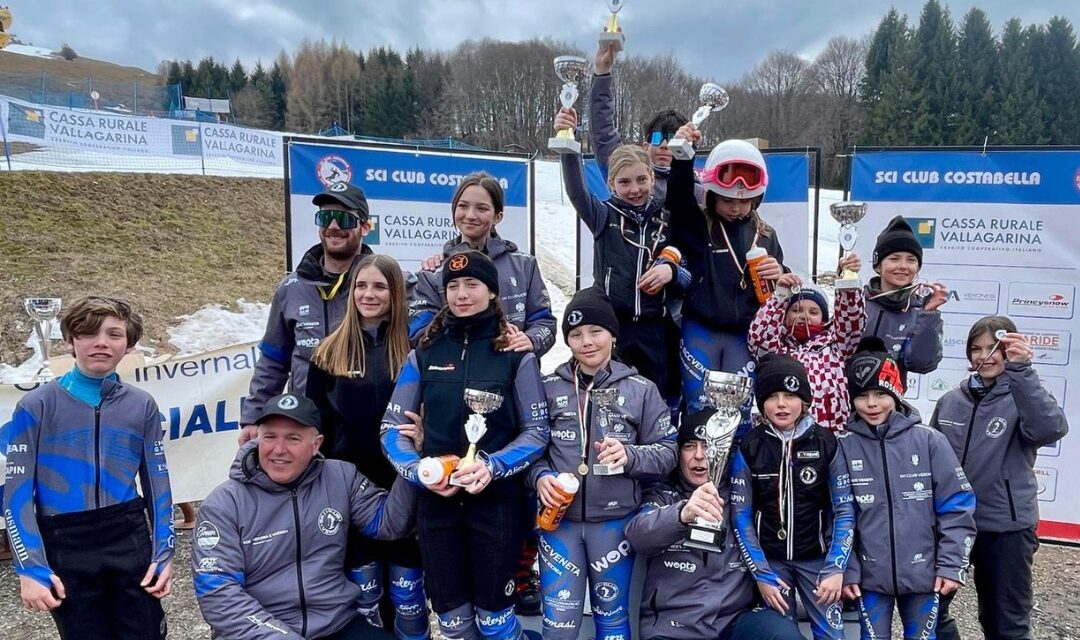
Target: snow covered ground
[[28, 50], [215, 326]]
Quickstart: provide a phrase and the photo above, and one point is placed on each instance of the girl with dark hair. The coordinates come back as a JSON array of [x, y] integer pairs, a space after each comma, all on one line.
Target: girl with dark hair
[[470, 540], [361, 359]]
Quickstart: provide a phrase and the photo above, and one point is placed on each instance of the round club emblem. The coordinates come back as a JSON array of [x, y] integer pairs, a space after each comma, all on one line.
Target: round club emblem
[[458, 262], [333, 170], [996, 428], [606, 591], [330, 521], [575, 318], [206, 535], [509, 588], [338, 187], [791, 383], [288, 402], [808, 475]]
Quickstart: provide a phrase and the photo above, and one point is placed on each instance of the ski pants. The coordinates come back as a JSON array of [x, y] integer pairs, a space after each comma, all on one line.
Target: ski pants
[[372, 564], [918, 613], [802, 576]]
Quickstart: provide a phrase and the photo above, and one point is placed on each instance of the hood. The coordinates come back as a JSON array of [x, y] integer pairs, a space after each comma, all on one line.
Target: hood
[[608, 377], [900, 420], [245, 469], [482, 325], [494, 248], [311, 269]]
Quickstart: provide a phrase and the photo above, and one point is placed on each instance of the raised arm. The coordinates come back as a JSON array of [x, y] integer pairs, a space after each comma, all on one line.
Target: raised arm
[[656, 524], [847, 326], [1042, 421], [603, 136], [765, 331], [922, 352]]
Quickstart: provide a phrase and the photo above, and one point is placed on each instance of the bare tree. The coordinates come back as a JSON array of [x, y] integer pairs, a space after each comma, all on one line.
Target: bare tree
[[838, 72], [782, 81]]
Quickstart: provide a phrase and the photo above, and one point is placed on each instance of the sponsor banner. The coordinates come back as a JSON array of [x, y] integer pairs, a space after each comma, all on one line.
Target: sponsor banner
[[785, 207], [199, 399], [104, 132], [408, 192], [998, 229]]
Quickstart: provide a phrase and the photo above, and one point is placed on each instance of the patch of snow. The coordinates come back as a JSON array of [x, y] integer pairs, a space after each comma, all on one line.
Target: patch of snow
[[215, 327], [28, 50]]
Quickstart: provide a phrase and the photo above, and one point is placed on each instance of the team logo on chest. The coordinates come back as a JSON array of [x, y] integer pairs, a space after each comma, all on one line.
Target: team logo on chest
[[808, 475], [330, 521], [915, 459], [996, 427]]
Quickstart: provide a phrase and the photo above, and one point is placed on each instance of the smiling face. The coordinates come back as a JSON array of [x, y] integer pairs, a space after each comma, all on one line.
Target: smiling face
[[874, 406], [692, 463], [783, 409], [993, 364], [591, 345], [633, 183], [371, 295], [97, 354], [803, 311], [286, 448], [475, 215], [467, 296], [338, 243], [897, 270]]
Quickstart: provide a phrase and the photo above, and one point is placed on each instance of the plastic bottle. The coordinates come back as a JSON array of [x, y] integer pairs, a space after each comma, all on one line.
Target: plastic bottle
[[762, 287], [566, 487], [432, 471]]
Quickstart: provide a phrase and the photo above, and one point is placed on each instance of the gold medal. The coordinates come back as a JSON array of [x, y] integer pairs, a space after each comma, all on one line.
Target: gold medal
[[583, 469]]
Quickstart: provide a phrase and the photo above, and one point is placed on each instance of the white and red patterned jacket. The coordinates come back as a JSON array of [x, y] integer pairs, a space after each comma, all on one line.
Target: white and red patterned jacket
[[823, 356]]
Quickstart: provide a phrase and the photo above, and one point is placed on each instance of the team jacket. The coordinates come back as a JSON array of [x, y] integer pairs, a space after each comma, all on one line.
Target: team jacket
[[269, 560], [300, 317], [911, 335], [914, 508], [522, 293], [997, 438], [640, 419], [688, 594], [627, 241], [715, 297], [823, 356], [819, 520], [65, 456], [352, 409], [463, 356]]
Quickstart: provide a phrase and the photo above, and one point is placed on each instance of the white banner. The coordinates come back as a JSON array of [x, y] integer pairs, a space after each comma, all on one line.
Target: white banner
[[199, 400]]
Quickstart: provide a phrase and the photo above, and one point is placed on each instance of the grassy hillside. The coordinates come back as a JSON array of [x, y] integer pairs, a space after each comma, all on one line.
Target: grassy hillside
[[172, 243], [20, 77]]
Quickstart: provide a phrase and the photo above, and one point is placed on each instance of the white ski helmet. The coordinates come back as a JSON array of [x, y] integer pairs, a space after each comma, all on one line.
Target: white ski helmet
[[731, 152]]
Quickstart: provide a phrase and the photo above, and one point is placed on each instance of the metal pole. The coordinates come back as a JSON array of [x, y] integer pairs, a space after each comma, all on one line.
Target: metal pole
[[42, 101], [135, 93], [202, 155]]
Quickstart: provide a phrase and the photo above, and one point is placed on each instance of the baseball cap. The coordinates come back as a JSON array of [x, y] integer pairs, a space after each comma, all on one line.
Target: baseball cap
[[347, 195], [289, 405]]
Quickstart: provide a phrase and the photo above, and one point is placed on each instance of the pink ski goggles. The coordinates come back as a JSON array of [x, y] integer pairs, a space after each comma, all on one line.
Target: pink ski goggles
[[730, 174]]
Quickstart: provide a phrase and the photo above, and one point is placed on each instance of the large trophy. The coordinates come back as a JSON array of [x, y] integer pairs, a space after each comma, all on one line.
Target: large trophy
[[572, 70], [43, 311], [604, 399], [727, 392], [481, 402], [713, 98], [611, 32], [848, 214]]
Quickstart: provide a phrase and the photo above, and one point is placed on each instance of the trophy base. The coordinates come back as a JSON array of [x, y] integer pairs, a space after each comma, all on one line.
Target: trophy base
[[616, 38], [681, 149], [606, 470], [705, 537], [564, 145], [847, 280]]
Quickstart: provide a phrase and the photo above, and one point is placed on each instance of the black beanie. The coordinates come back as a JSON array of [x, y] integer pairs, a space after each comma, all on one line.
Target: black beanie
[[776, 372], [688, 428], [871, 367], [897, 236], [589, 306], [471, 264]]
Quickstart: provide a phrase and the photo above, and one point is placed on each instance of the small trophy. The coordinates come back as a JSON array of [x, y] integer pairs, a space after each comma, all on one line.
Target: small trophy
[[727, 392], [43, 311], [572, 70], [604, 399], [611, 32], [713, 98], [848, 215], [480, 402]]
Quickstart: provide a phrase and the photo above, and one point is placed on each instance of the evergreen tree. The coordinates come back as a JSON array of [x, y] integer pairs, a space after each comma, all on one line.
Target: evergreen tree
[[935, 75], [1058, 73], [975, 89], [237, 77], [1019, 118], [887, 88], [172, 82], [277, 93]]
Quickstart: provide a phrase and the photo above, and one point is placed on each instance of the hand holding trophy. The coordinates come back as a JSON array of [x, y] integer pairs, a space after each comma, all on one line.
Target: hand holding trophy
[[604, 399], [612, 33], [572, 70], [713, 98], [481, 402], [848, 214]]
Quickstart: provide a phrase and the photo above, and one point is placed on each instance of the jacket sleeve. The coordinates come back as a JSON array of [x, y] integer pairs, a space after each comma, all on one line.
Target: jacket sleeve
[[742, 513], [853, 573], [540, 323], [765, 330], [317, 389], [377, 513], [426, 297], [656, 525], [154, 480], [220, 580], [923, 351], [534, 431], [843, 517], [589, 208], [1042, 421], [847, 326], [654, 455], [603, 136], [681, 276], [275, 359], [399, 449], [28, 548], [688, 228], [954, 506], [542, 467]]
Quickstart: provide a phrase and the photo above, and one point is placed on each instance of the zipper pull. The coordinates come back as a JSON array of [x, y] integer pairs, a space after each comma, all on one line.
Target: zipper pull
[[465, 346]]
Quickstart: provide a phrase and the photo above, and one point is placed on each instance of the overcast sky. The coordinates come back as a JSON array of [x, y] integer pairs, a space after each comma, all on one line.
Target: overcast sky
[[720, 39]]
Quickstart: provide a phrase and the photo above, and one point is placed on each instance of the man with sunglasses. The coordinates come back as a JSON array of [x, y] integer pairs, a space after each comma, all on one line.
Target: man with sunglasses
[[311, 301]]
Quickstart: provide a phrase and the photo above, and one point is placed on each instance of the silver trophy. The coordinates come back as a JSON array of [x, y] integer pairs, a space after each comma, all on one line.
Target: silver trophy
[[481, 402], [611, 32], [848, 214], [713, 98], [604, 399], [572, 70], [43, 311], [727, 392]]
